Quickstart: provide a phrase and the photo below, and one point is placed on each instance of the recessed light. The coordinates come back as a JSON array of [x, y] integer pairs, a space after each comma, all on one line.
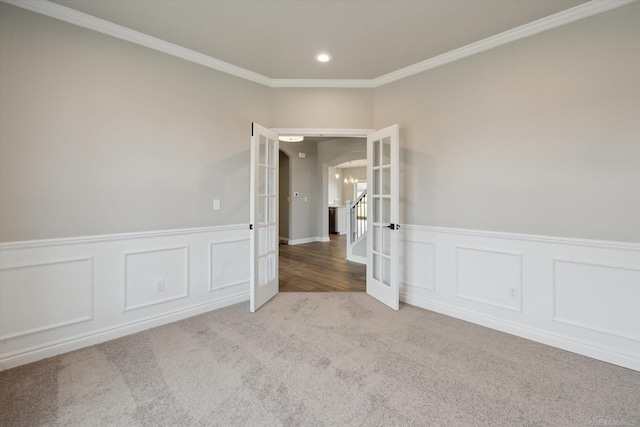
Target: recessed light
[[323, 57], [291, 138]]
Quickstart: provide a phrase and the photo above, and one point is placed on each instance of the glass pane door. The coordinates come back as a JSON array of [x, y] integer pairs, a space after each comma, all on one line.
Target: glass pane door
[[264, 216]]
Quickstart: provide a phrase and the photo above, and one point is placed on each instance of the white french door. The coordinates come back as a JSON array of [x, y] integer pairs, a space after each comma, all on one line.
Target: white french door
[[264, 215], [383, 150]]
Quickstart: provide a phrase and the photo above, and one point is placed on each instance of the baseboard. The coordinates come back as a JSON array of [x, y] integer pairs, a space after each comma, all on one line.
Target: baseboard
[[566, 343], [96, 337], [308, 240], [357, 258]]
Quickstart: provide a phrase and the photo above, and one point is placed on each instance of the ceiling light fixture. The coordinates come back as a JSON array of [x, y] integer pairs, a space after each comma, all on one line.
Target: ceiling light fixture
[[323, 57], [291, 138], [351, 179]]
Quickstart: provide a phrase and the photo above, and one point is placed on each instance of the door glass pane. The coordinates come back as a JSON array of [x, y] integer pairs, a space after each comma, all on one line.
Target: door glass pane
[[262, 180], [267, 209], [262, 209], [271, 267], [376, 181], [385, 182], [386, 271], [262, 151], [376, 153], [262, 271], [271, 209], [386, 211], [262, 241], [386, 151], [271, 238], [271, 153], [376, 266], [271, 179], [375, 243], [386, 240], [375, 214]]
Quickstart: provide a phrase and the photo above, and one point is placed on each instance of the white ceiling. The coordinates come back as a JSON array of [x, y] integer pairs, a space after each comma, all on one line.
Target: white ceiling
[[279, 39]]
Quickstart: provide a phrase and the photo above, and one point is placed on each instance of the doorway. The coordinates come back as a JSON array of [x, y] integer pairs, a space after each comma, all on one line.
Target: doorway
[[382, 249], [317, 261]]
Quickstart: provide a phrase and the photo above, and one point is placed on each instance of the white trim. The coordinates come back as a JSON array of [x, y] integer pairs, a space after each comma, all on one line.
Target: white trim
[[528, 237], [308, 240], [403, 243], [357, 258], [601, 352], [335, 133], [324, 83], [65, 345], [125, 287], [112, 237], [226, 285], [84, 20], [554, 287], [518, 307], [66, 322]]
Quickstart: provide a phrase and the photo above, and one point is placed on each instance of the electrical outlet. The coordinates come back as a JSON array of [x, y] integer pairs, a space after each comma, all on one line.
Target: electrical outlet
[[216, 204], [513, 292], [159, 285]]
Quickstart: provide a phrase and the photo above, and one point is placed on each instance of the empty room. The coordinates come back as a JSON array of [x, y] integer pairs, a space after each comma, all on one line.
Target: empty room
[[474, 164]]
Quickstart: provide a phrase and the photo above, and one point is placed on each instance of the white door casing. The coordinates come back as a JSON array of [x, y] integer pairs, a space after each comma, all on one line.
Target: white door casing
[[263, 215], [383, 151]]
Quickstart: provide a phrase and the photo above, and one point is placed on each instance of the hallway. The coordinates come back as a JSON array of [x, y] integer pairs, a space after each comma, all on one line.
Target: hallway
[[320, 267]]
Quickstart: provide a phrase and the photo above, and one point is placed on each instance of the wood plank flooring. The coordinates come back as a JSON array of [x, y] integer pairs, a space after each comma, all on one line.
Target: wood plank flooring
[[320, 267]]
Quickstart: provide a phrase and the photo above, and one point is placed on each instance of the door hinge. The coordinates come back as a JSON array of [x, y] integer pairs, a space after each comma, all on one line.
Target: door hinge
[[250, 226]]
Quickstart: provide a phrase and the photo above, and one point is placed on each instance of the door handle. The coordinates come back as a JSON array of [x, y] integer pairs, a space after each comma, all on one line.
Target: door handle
[[393, 226]]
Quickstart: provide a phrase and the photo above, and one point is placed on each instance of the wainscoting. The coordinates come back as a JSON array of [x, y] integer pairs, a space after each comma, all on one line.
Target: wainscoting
[[579, 295], [62, 294]]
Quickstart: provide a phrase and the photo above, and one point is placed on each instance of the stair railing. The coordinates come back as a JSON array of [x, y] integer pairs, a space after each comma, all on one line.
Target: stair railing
[[358, 218]]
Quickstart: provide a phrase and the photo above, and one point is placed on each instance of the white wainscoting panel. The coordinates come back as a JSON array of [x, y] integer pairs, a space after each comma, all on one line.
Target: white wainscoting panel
[[226, 268], [59, 295], [44, 295], [418, 269], [578, 295], [155, 276], [597, 296], [489, 276]]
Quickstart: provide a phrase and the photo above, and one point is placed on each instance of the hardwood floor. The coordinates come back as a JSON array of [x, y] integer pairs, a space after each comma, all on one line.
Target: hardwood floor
[[320, 267]]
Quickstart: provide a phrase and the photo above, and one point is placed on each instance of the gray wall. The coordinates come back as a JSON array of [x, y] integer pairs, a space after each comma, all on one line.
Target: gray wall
[[284, 194], [322, 108], [539, 136], [101, 136], [304, 181]]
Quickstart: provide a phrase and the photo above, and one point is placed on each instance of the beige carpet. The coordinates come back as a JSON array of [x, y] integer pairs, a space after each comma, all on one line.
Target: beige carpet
[[335, 359]]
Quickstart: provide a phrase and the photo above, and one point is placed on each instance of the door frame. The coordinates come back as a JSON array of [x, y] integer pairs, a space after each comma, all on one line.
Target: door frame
[[324, 132]]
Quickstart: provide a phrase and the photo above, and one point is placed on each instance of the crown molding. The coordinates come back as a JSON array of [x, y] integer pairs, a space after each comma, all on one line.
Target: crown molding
[[54, 10], [313, 132], [585, 10], [323, 83]]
